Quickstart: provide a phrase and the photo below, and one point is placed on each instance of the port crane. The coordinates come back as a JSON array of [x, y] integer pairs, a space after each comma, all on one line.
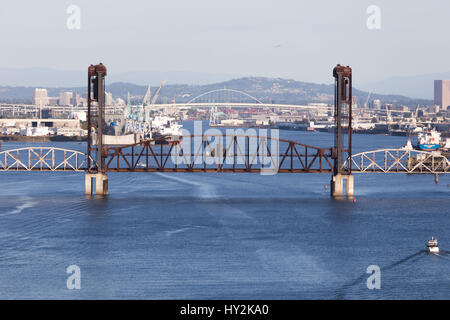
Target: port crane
[[366, 104], [150, 101], [146, 100], [155, 97], [139, 120]]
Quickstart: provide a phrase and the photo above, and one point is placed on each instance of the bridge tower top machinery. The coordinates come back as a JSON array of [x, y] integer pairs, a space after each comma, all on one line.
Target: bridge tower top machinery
[[342, 150], [343, 118], [96, 95]]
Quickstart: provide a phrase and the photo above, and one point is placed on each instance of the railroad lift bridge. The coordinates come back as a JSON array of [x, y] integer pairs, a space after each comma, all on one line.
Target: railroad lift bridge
[[240, 153]]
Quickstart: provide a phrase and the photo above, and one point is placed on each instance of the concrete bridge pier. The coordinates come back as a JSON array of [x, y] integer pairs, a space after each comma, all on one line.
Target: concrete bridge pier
[[342, 185], [101, 183]]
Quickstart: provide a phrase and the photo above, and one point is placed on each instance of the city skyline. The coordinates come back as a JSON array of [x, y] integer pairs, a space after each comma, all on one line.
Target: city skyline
[[420, 87]]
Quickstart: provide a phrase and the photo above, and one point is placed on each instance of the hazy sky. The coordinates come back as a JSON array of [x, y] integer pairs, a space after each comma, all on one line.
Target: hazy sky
[[295, 39]]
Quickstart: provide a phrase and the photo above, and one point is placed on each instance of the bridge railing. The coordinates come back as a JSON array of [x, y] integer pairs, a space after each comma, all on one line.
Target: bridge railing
[[399, 161], [43, 159], [219, 153]]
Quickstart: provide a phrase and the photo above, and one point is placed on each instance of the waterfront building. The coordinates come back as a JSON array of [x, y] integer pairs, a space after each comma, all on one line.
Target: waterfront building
[[42, 127]]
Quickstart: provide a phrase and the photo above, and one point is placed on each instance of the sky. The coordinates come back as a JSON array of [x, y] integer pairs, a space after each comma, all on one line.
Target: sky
[[295, 39]]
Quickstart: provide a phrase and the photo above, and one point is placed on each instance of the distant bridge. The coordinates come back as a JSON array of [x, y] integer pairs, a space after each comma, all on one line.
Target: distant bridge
[[240, 105], [231, 98], [218, 98]]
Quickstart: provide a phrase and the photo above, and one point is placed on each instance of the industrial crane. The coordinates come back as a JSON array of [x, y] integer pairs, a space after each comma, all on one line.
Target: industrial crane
[[158, 91], [147, 96], [367, 100], [139, 119], [148, 100]]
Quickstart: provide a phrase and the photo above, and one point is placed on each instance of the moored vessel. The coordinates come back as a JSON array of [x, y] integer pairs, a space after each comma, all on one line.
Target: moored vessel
[[429, 140], [167, 129]]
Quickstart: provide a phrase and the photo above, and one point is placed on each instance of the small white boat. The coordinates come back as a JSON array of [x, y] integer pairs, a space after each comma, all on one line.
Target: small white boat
[[140, 165], [432, 245], [408, 145]]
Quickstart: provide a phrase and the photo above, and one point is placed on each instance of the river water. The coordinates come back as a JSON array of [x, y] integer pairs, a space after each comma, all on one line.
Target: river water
[[224, 236]]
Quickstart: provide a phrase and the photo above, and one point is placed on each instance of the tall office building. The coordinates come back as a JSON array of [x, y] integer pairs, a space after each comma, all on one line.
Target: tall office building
[[40, 97], [442, 93], [79, 100], [65, 98]]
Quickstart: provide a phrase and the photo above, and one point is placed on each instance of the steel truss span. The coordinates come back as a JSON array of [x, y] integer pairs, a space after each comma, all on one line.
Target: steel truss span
[[222, 153], [399, 161], [219, 153], [42, 159]]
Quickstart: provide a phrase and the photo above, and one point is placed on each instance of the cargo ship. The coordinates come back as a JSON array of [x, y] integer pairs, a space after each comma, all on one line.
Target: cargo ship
[[167, 129], [430, 140]]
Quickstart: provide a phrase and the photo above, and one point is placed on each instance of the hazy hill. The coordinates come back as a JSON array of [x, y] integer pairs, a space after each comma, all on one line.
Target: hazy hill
[[49, 77], [420, 86], [265, 89]]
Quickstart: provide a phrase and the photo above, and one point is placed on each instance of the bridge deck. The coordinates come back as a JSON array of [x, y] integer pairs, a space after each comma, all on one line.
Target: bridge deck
[[236, 155]]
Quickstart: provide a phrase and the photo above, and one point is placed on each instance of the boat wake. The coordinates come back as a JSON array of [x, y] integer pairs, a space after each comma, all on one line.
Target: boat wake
[[205, 190], [406, 259], [444, 254], [172, 232], [186, 228], [341, 293]]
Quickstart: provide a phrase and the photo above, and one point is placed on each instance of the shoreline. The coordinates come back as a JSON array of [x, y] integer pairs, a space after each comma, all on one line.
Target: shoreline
[[19, 138]]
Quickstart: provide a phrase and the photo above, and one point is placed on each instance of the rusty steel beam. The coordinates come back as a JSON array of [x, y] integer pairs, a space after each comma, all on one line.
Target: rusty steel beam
[[288, 156], [148, 159]]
